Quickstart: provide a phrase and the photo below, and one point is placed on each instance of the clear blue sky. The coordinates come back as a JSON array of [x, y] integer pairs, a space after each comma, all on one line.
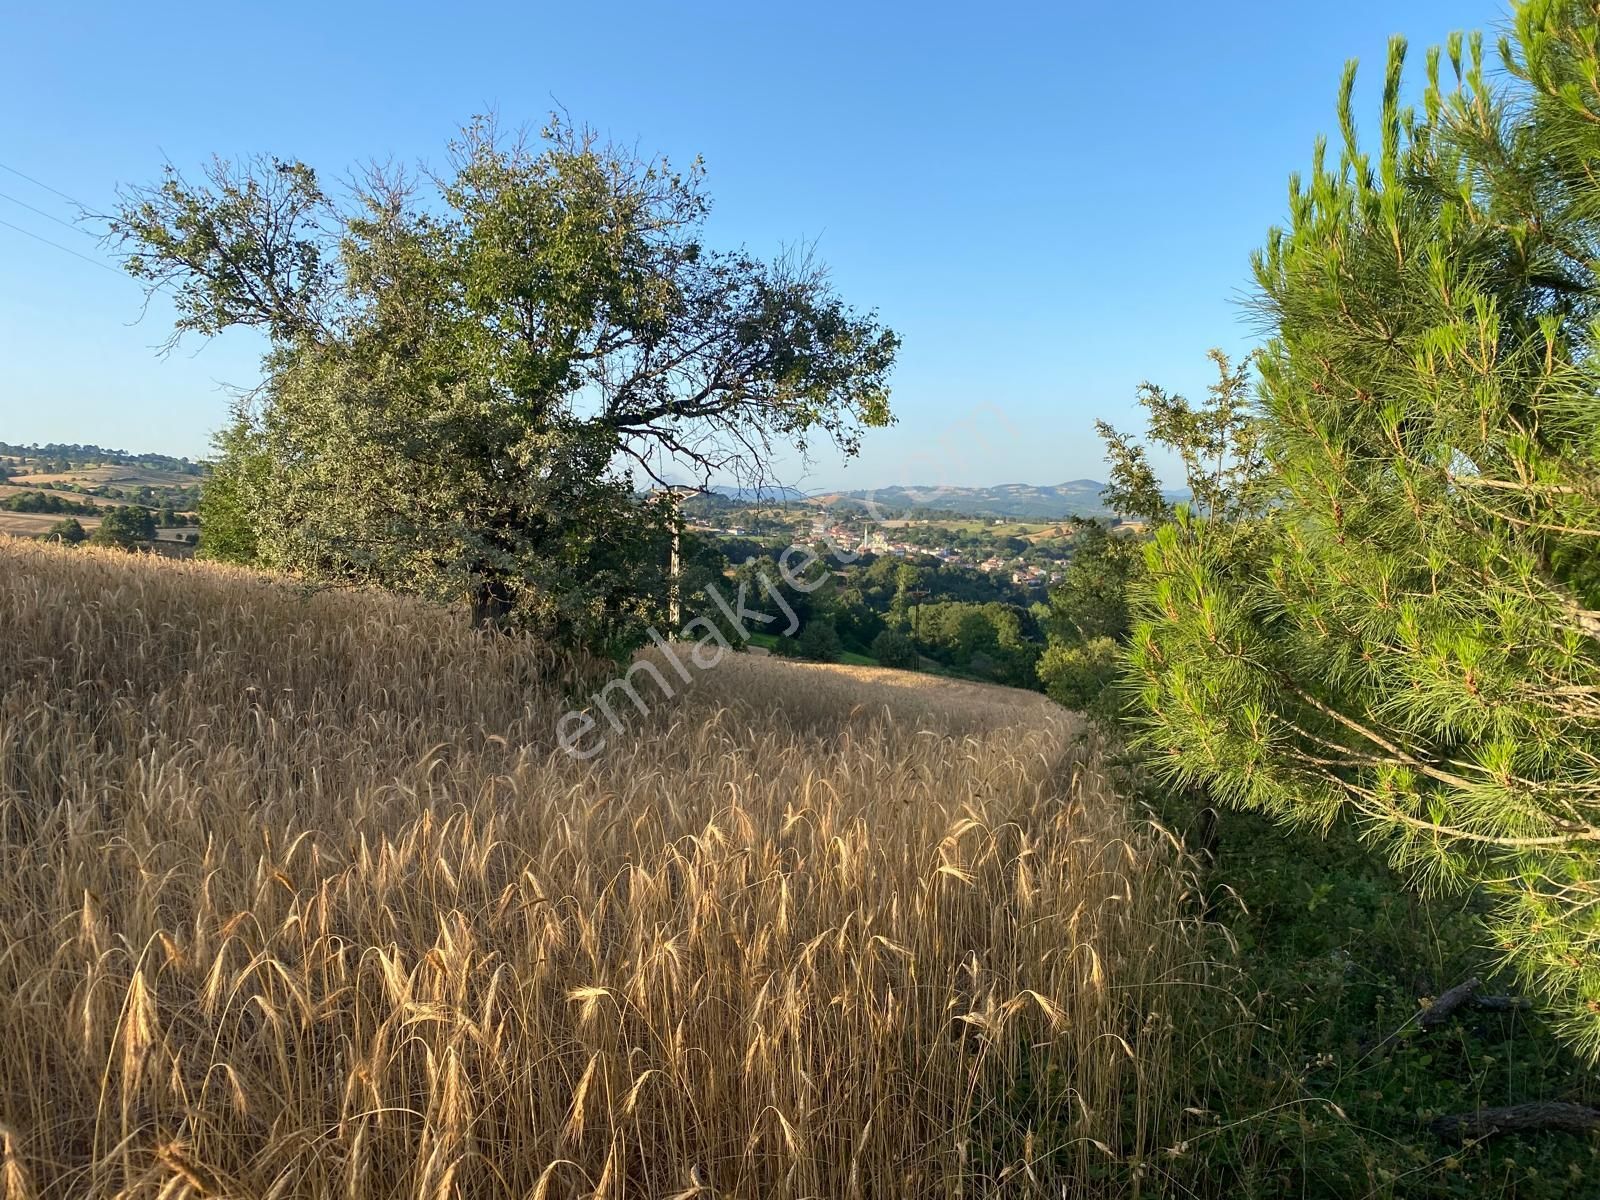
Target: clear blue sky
[[1051, 203]]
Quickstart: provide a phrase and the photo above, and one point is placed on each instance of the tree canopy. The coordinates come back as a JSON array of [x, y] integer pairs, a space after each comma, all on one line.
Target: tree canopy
[[68, 531], [1400, 628], [126, 527], [472, 372]]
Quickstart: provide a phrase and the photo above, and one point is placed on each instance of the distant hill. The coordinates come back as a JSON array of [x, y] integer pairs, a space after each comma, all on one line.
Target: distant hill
[[79, 454], [1075, 498], [770, 493], [1013, 501]]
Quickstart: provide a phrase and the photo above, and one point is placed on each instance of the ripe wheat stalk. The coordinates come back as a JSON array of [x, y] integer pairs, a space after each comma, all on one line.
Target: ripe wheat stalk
[[299, 898]]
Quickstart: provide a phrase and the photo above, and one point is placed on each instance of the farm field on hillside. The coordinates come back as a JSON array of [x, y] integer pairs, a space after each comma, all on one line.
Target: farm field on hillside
[[301, 897], [126, 475], [18, 524], [15, 489]]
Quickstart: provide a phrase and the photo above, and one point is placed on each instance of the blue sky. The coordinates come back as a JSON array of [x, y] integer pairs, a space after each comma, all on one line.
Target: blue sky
[[1049, 203]]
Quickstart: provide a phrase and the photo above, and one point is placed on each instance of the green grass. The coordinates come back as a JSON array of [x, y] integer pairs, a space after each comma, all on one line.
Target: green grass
[[1341, 957], [769, 641]]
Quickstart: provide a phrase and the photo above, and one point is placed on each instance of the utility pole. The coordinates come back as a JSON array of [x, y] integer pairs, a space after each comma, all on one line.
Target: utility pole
[[674, 604], [675, 562]]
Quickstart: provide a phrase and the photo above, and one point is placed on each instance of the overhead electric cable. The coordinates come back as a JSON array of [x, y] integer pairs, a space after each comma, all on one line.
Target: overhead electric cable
[[64, 249]]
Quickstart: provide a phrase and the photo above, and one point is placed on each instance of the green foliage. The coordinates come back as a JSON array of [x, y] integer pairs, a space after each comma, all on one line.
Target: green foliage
[[125, 528], [1078, 674], [238, 480], [1333, 1095], [891, 648], [1091, 601], [454, 377], [243, 251], [68, 530], [46, 502], [986, 641], [1218, 442], [819, 641], [1399, 627], [859, 625]]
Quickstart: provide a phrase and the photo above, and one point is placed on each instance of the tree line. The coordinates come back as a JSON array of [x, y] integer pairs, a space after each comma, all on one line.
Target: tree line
[[59, 457]]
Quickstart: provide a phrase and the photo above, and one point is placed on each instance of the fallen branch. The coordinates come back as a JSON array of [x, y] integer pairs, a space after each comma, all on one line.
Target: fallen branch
[[1464, 994], [1539, 1116], [1439, 1011]]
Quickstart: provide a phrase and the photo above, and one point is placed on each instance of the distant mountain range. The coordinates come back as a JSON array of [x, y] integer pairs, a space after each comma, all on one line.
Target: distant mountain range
[[1075, 498], [1014, 501], [1018, 501]]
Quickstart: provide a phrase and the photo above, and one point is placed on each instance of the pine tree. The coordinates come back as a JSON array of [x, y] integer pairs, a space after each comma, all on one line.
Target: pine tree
[[1217, 441], [1406, 633]]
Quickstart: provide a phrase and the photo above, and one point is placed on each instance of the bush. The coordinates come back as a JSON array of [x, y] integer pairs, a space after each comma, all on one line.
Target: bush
[[894, 649], [1078, 675], [68, 530], [819, 641], [125, 528]]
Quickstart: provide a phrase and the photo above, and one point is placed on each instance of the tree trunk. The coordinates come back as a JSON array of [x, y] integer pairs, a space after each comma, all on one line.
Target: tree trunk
[[491, 606]]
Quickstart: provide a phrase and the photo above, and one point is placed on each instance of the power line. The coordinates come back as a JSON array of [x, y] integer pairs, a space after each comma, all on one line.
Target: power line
[[48, 216], [64, 249], [45, 215], [68, 224], [45, 186], [157, 286]]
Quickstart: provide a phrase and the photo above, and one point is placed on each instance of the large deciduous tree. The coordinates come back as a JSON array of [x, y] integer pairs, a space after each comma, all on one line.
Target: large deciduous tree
[[1405, 632], [470, 373]]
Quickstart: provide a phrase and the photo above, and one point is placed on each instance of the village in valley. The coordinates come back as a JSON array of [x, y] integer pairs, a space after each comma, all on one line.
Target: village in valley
[[1029, 554]]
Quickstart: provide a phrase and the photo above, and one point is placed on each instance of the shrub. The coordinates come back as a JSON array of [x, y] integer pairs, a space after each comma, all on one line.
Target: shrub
[[891, 648], [819, 641], [67, 530]]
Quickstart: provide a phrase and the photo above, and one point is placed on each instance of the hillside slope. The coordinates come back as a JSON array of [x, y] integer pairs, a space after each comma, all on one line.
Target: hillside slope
[[301, 897]]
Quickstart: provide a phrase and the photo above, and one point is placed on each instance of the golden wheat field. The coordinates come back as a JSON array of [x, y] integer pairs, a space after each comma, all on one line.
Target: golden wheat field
[[299, 898]]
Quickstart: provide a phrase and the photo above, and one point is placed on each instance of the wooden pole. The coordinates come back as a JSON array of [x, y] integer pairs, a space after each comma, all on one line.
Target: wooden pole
[[674, 601]]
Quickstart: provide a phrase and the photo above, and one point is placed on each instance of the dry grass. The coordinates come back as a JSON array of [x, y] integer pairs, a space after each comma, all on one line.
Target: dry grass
[[828, 698], [17, 524], [298, 899], [130, 474]]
